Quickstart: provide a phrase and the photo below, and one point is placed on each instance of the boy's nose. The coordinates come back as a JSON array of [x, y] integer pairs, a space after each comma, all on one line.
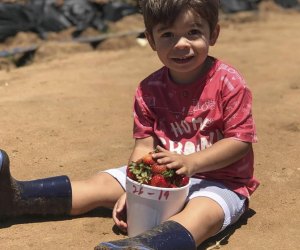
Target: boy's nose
[[182, 43]]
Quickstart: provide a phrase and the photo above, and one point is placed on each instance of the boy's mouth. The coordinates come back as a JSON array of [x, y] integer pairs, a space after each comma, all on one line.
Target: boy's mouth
[[182, 60]]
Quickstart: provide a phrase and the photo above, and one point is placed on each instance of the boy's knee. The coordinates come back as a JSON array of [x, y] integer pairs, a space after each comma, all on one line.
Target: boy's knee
[[202, 217]]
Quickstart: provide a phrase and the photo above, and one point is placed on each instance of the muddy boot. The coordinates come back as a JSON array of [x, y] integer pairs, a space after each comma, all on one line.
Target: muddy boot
[[170, 235], [50, 196]]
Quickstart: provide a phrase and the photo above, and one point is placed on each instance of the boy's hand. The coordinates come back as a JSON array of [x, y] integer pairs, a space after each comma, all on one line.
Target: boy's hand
[[174, 161], [119, 213]]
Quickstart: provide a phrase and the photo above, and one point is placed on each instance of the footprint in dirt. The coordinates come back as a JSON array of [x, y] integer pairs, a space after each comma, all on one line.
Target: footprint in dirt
[[292, 127], [295, 85]]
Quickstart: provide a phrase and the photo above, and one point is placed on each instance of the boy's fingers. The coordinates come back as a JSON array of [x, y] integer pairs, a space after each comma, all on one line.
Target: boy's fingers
[[160, 148], [121, 224], [119, 209], [172, 165], [179, 172], [165, 160], [123, 227], [160, 155]]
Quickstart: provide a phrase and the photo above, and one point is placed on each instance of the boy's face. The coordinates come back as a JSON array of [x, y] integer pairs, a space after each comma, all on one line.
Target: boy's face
[[183, 46]]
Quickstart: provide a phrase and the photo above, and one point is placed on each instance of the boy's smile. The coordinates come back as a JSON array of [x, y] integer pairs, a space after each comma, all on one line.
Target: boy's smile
[[183, 46], [183, 60]]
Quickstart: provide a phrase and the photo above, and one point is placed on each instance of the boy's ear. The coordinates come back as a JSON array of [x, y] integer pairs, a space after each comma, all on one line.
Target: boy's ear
[[214, 35], [150, 40]]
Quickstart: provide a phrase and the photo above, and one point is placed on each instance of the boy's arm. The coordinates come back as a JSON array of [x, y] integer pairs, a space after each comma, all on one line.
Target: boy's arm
[[219, 155], [142, 147]]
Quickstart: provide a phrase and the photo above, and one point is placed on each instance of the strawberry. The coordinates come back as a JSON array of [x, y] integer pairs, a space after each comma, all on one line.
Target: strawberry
[[169, 173], [184, 181], [139, 172], [147, 171], [181, 180], [158, 169], [147, 159], [144, 177], [129, 172], [158, 180], [172, 186]]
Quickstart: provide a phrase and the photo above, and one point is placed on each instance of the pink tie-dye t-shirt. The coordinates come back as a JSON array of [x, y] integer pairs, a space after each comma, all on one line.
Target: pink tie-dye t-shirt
[[190, 118]]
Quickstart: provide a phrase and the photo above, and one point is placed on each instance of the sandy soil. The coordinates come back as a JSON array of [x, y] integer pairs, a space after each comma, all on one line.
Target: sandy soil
[[69, 112]]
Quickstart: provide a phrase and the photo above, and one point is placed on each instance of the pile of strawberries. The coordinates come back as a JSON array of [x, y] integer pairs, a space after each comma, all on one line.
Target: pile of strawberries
[[148, 171]]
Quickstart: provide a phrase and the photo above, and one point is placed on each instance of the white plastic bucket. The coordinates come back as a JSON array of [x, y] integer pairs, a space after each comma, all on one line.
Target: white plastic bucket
[[148, 206]]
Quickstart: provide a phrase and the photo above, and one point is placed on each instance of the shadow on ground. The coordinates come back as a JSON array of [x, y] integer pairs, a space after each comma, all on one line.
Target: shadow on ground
[[223, 237], [217, 241], [99, 212]]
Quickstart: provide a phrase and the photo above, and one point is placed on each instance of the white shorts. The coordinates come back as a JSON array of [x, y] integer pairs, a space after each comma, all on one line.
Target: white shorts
[[232, 204]]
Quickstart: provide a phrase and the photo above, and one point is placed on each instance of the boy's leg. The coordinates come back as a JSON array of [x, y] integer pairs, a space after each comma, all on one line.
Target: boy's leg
[[199, 220], [54, 195], [202, 217], [101, 190], [45, 196], [169, 235], [211, 208]]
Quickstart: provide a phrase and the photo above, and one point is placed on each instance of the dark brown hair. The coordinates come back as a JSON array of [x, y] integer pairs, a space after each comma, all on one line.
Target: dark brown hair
[[166, 11]]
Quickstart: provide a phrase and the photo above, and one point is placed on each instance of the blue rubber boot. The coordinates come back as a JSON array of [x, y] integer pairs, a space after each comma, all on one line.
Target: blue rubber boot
[[169, 235], [50, 196]]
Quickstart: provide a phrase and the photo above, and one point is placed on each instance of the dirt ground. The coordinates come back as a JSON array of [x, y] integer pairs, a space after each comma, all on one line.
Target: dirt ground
[[70, 112]]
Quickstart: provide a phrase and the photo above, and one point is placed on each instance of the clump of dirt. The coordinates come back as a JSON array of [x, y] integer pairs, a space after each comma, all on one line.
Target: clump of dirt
[[61, 44]]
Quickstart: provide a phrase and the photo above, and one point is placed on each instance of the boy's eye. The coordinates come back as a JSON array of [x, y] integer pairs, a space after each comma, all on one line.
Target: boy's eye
[[167, 34], [194, 32]]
